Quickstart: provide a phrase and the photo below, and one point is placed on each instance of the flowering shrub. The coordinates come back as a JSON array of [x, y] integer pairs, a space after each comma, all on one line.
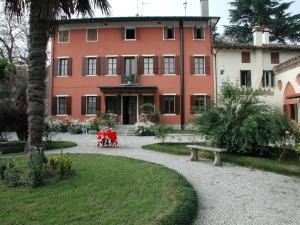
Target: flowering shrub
[[285, 145], [145, 128], [76, 127]]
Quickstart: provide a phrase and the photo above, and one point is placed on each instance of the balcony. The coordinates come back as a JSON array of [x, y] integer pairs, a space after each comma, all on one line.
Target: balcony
[[129, 79]]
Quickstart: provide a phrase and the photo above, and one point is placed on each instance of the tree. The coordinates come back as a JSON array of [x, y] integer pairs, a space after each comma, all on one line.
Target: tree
[[271, 14], [42, 17]]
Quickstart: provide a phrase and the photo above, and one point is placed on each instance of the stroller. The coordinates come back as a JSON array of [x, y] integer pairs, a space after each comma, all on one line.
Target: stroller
[[107, 138]]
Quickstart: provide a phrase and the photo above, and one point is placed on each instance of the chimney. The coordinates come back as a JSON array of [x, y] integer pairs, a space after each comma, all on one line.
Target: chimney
[[258, 35], [266, 36], [204, 8]]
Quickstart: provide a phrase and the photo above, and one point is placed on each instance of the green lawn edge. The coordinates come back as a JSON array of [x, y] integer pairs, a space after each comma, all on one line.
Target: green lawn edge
[[291, 168], [183, 211]]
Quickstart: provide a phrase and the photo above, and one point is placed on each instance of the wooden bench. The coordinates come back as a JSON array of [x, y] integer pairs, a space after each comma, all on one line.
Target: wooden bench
[[217, 152]]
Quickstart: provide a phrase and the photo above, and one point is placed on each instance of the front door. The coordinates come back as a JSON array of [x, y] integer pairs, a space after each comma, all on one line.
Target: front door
[[129, 109]]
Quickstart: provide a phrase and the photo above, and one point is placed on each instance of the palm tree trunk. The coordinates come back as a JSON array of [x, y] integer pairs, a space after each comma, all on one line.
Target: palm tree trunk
[[36, 87]]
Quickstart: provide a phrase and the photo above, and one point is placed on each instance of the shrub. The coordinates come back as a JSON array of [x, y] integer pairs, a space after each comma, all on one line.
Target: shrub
[[162, 131], [74, 126], [61, 165], [241, 123], [12, 176], [52, 126], [37, 168], [146, 128], [3, 168], [151, 113]]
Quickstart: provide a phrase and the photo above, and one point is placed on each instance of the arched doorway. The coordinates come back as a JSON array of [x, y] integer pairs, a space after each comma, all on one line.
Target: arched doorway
[[290, 100]]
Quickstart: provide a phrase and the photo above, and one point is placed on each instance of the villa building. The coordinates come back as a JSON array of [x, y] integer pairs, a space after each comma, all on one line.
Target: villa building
[[117, 64], [252, 64]]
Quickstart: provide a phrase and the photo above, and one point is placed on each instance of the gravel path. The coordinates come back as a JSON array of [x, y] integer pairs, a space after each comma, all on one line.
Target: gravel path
[[228, 195]]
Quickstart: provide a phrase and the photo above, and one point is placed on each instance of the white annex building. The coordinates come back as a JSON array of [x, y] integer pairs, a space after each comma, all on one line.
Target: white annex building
[[252, 64]]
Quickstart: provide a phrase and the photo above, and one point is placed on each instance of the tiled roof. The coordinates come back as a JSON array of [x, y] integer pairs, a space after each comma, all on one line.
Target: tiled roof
[[272, 46], [287, 65], [138, 19]]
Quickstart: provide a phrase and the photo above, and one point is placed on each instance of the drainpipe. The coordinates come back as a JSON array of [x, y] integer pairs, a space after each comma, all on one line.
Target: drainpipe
[[182, 91]]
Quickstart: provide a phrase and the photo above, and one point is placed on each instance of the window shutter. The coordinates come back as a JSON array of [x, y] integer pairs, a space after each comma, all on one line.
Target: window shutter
[[54, 106], [69, 105], [207, 65], [83, 105], [162, 66], [69, 66], [208, 102], [242, 79], [249, 79], [246, 57], [55, 67], [98, 104], [192, 62], [165, 32], [83, 66], [98, 66], [119, 100], [193, 103], [156, 65], [162, 104], [274, 58], [177, 65], [141, 65], [120, 65], [104, 66], [123, 33], [177, 104]]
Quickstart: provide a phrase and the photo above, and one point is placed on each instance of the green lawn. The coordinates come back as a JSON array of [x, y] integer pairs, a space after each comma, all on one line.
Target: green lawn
[[291, 168], [104, 190]]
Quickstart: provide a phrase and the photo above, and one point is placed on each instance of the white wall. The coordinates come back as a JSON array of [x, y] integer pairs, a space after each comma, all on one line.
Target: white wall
[[230, 61]]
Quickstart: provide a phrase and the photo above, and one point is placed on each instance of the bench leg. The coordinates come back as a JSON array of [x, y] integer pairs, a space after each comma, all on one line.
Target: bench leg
[[217, 160], [194, 155]]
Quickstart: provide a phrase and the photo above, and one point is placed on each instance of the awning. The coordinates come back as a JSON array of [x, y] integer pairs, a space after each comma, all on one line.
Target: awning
[[128, 89], [297, 95]]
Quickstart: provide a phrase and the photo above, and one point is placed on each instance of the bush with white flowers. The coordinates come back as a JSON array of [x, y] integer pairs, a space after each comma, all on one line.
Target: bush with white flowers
[[145, 128], [52, 126]]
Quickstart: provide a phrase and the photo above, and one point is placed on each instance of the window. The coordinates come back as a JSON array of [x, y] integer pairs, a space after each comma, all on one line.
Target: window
[[91, 105], [199, 65], [246, 78], [61, 105], [268, 79], [111, 104], [147, 109], [92, 34], [275, 58], [91, 66], [111, 65], [63, 36], [169, 65], [169, 101], [130, 34], [246, 58], [169, 32], [62, 67], [148, 65], [198, 33], [198, 103]]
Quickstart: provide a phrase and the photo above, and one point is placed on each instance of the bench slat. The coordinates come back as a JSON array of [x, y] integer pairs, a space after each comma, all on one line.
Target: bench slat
[[206, 148]]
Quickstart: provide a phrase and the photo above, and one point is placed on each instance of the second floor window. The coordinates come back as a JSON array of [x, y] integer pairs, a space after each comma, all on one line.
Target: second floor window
[[268, 79], [91, 105], [91, 66], [198, 33], [61, 105], [246, 57], [62, 67], [130, 34], [148, 65], [169, 32], [246, 78], [63, 36], [111, 65], [169, 65], [92, 34], [275, 58], [199, 65]]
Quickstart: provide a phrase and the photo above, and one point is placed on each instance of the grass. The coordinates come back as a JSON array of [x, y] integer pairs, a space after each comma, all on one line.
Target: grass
[[104, 190], [18, 147], [290, 168]]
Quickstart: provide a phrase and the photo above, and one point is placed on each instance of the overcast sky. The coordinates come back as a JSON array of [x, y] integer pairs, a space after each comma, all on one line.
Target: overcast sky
[[176, 8]]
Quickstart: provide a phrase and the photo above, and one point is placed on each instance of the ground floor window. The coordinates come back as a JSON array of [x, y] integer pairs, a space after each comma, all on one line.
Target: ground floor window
[[169, 104], [246, 78], [61, 105], [147, 100], [268, 79], [91, 105], [198, 103], [111, 104]]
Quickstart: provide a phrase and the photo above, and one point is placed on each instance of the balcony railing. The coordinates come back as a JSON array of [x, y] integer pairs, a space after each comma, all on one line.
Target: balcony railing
[[130, 79]]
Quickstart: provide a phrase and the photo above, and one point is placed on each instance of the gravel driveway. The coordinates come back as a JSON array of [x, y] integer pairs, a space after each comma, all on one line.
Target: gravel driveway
[[228, 195]]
